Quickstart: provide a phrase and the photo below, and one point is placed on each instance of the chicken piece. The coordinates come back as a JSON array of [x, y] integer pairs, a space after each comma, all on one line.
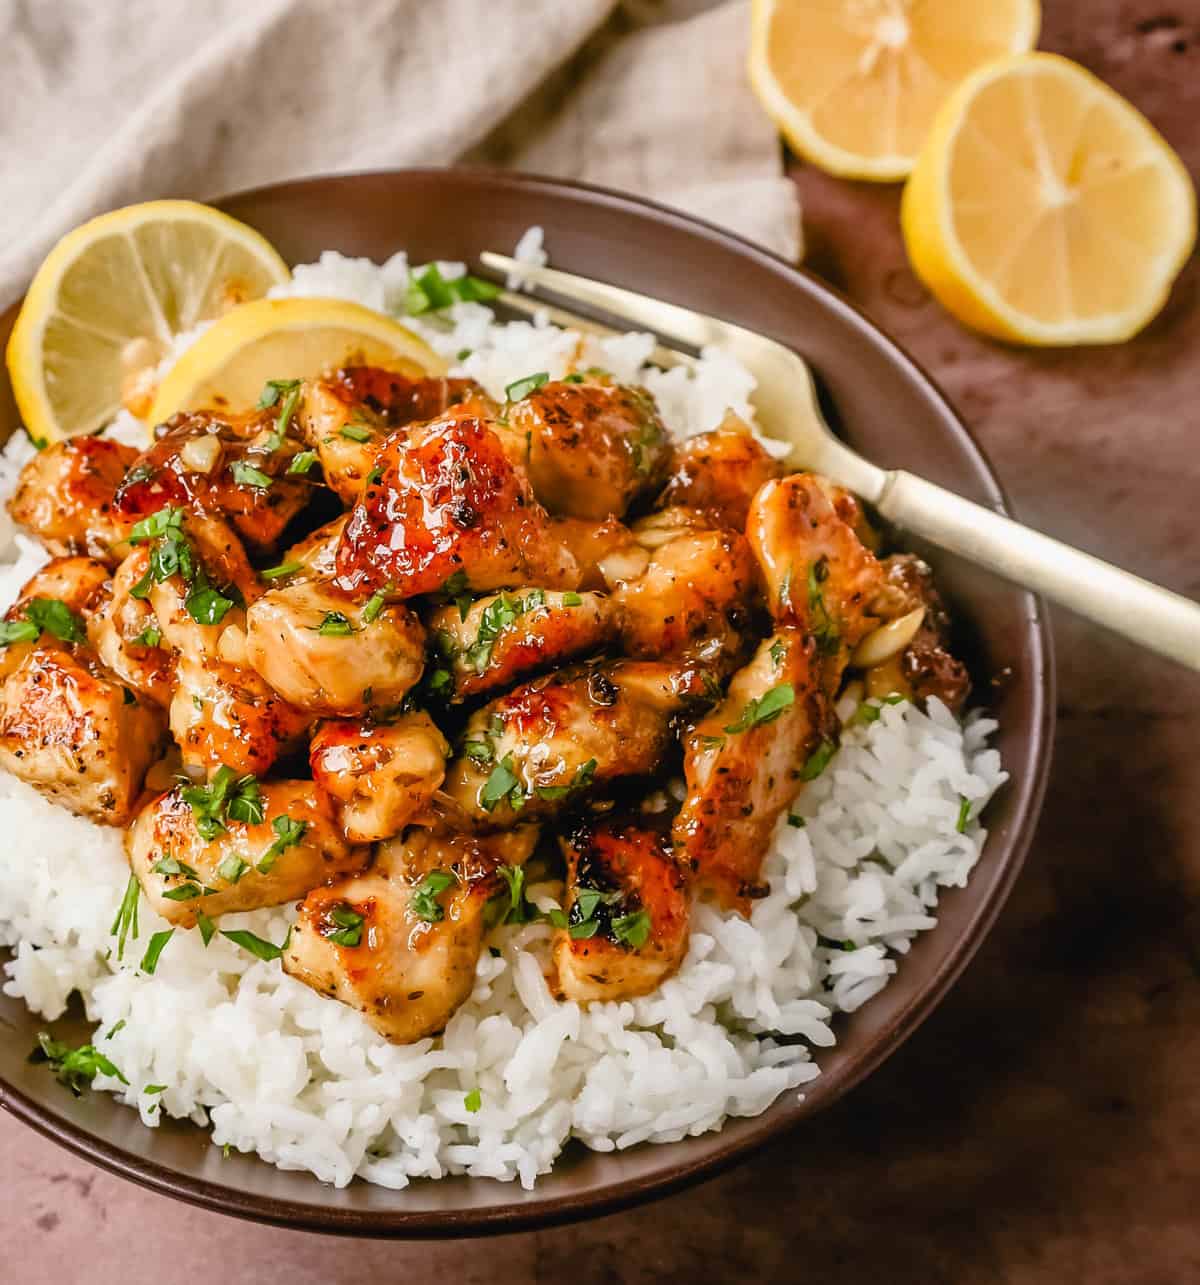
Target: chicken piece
[[547, 744], [323, 652], [449, 507], [65, 496], [820, 577], [53, 608], [315, 557], [382, 775], [925, 667], [719, 472], [590, 448], [508, 636], [125, 632], [745, 763], [695, 596], [235, 467], [401, 942], [606, 552], [227, 714], [347, 416], [627, 913], [76, 734], [192, 853]]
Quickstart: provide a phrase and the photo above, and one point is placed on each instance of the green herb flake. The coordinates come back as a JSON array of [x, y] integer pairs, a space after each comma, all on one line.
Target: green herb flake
[[503, 783], [571, 599], [18, 631], [796, 822], [481, 752], [356, 432], [342, 925], [53, 616], [74, 1068], [207, 606], [168, 865], [254, 944], [273, 390], [183, 892], [206, 926], [818, 761], [155, 1088], [288, 833], [158, 943], [157, 525], [632, 930], [302, 463], [126, 922], [232, 868], [429, 291], [964, 814], [283, 569], [584, 775], [245, 474], [764, 709], [149, 637], [289, 391], [473, 1101], [520, 388], [335, 625], [375, 604], [424, 903]]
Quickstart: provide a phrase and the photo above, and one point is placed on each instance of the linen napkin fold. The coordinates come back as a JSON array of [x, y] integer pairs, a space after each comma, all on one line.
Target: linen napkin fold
[[107, 104]]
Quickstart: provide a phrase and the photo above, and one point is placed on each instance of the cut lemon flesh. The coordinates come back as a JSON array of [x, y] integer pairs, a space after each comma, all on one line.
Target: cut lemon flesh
[[1045, 209], [854, 84], [111, 296], [227, 367]]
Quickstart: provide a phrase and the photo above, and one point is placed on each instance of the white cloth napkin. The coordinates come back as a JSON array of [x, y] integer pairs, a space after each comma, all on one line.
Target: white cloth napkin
[[107, 103]]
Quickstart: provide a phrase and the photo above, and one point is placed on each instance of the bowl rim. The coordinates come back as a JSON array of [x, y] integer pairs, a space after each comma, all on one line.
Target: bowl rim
[[673, 1175]]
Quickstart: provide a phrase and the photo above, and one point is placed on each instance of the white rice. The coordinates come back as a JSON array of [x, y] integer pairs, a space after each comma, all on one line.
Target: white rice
[[304, 1082]]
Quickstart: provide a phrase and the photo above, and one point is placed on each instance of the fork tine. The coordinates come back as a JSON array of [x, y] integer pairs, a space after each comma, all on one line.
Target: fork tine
[[666, 319], [531, 306]]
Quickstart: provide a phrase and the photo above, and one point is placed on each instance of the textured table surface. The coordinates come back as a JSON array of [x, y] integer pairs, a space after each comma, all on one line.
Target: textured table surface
[[1045, 1123]]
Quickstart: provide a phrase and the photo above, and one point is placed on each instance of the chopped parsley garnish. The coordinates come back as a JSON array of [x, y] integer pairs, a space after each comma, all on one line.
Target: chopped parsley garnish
[[796, 822], [356, 432], [289, 391], [283, 569], [157, 945], [168, 865], [245, 474], [583, 777], [156, 525], [514, 881], [375, 476], [632, 930], [429, 291], [425, 904], [335, 625], [206, 605], [495, 618], [288, 833], [520, 388], [375, 604], [869, 712], [503, 783], [820, 622], [254, 944], [818, 761], [183, 892], [226, 797], [74, 1068], [44, 615], [481, 752], [302, 462], [439, 679], [126, 922], [763, 709], [473, 1101], [964, 814], [120, 1026], [149, 637], [232, 868], [172, 554], [777, 652], [342, 925], [571, 599], [206, 926]]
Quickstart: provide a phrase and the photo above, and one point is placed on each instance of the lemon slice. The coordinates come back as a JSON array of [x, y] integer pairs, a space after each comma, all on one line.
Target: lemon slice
[[854, 84], [111, 296], [1046, 209], [286, 339]]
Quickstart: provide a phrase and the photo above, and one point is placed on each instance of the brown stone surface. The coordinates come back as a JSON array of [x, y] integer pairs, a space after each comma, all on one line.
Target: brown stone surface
[[1045, 1124]]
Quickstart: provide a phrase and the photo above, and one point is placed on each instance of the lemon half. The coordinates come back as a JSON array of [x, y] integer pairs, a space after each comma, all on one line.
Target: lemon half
[[286, 339], [1045, 208], [854, 84], [111, 296]]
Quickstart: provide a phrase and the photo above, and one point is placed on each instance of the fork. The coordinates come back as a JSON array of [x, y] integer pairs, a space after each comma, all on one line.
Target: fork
[[786, 406]]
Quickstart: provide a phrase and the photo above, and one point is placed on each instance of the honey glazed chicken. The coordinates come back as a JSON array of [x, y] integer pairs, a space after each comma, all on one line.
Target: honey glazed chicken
[[394, 651]]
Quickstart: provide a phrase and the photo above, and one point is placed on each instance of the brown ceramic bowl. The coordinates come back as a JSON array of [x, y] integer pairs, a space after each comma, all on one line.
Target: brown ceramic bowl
[[889, 409]]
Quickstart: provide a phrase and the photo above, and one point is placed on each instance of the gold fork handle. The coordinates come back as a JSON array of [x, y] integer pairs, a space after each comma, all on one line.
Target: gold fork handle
[[1156, 618]]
